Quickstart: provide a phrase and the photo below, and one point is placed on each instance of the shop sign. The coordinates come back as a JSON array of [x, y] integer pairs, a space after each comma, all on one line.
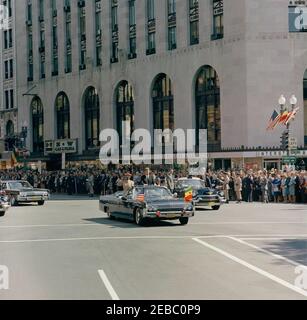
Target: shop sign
[[61, 146]]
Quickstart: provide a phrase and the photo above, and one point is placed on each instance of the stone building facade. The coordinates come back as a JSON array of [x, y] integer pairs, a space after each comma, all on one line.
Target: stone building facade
[[215, 64], [8, 93]]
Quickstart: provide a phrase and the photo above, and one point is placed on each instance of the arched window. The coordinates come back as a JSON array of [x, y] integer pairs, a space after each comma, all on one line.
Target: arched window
[[37, 125], [124, 109], [163, 103], [10, 128], [92, 116], [208, 111], [62, 116], [305, 106]]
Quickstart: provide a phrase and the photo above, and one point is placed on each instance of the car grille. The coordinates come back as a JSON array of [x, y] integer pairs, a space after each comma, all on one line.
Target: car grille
[[170, 209]]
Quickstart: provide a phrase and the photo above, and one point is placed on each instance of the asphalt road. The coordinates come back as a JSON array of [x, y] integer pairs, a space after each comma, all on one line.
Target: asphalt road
[[68, 249]]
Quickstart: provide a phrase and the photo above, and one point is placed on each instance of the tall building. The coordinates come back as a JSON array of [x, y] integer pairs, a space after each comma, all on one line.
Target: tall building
[[8, 101], [83, 66]]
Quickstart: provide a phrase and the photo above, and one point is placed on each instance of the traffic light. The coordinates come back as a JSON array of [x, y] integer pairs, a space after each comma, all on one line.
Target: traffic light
[[285, 140]]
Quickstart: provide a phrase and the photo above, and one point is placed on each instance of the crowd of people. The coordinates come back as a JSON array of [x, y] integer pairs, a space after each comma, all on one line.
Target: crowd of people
[[249, 186]]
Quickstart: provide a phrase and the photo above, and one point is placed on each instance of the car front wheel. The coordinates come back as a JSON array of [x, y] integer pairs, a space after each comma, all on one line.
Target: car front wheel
[[184, 221], [109, 214], [41, 203], [139, 219], [216, 208], [2, 213]]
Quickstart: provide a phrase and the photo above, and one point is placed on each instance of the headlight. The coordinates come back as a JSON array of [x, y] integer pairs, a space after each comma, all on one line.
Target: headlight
[[22, 194], [221, 194], [189, 208]]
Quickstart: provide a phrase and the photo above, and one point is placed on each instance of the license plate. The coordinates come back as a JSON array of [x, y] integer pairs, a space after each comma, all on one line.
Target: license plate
[[35, 198], [171, 216], [211, 204]]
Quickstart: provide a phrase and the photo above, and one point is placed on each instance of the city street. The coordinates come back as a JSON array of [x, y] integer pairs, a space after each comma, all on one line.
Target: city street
[[68, 249]]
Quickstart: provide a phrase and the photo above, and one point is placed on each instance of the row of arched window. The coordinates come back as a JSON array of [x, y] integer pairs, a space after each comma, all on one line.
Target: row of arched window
[[207, 110]]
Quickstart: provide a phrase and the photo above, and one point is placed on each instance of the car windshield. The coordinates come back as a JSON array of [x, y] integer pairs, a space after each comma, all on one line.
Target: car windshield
[[161, 193], [194, 183], [19, 185]]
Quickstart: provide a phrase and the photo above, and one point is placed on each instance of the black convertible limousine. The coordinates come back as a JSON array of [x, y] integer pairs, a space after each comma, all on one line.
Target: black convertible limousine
[[145, 203], [203, 197]]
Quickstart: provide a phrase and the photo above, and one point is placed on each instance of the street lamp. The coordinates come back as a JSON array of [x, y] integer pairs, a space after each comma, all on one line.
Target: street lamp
[[293, 101], [283, 107], [282, 101]]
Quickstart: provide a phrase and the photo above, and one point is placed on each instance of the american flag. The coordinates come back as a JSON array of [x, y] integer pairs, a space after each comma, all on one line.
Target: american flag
[[140, 197], [274, 120]]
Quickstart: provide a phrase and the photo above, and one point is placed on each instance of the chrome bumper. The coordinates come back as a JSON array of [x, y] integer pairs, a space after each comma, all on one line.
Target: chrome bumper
[[202, 203], [169, 215], [32, 198]]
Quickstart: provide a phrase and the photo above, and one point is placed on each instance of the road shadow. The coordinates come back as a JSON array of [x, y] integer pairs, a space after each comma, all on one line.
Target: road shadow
[[127, 224], [293, 249], [21, 205], [295, 209]]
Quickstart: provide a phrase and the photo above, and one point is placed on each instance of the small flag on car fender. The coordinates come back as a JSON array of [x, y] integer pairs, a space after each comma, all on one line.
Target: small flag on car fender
[[188, 196], [140, 197]]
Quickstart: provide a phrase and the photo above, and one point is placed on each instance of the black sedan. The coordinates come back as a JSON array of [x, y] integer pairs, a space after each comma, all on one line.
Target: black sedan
[[146, 203], [203, 197]]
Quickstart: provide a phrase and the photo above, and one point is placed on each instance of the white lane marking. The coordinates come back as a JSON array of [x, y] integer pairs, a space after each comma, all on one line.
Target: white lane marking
[[263, 236], [252, 267], [143, 237], [51, 225], [277, 256], [97, 224], [108, 238], [108, 285], [246, 222], [286, 237]]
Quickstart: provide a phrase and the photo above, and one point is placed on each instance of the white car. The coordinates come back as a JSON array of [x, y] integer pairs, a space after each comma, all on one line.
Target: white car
[[23, 192]]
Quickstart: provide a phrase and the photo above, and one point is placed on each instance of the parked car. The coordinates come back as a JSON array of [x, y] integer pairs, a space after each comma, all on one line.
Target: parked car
[[147, 203], [203, 197], [4, 204], [22, 192]]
